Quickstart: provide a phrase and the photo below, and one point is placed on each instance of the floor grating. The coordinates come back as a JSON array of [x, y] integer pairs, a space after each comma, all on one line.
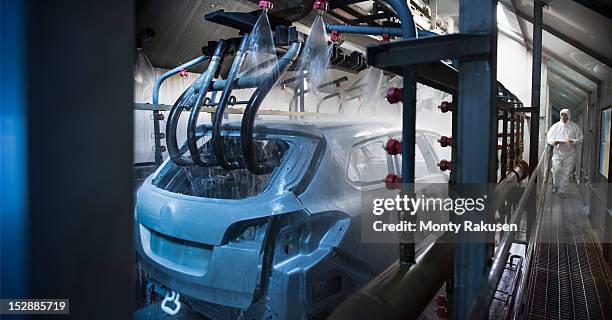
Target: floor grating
[[567, 277]]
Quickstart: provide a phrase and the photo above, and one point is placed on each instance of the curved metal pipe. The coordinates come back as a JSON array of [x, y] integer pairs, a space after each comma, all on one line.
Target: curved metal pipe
[[407, 25], [172, 72], [218, 118], [173, 118], [248, 119], [195, 110]]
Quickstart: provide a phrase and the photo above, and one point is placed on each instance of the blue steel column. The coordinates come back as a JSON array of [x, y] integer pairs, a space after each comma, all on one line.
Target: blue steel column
[[407, 247], [476, 138], [409, 30]]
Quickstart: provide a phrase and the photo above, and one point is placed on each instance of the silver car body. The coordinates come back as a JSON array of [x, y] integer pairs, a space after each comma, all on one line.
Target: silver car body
[[196, 246]]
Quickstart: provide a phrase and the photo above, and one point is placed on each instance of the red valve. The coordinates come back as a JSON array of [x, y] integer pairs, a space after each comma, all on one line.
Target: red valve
[[158, 116], [265, 5], [393, 147], [441, 312], [335, 36], [385, 38], [183, 73], [321, 5], [445, 165], [446, 106], [162, 148], [393, 181], [160, 135], [395, 95], [441, 300], [445, 141]]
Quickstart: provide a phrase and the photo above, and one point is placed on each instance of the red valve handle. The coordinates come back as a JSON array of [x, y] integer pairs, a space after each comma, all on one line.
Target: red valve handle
[[395, 95], [446, 106], [445, 141], [445, 165], [441, 312], [393, 181], [441, 300], [393, 147]]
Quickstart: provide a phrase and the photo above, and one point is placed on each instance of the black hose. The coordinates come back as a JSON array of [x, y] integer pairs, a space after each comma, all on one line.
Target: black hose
[[173, 118], [195, 110], [248, 119], [218, 118]]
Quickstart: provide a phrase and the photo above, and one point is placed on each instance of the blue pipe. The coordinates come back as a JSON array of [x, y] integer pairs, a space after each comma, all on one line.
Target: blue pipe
[[172, 72], [409, 31], [407, 25], [395, 32]]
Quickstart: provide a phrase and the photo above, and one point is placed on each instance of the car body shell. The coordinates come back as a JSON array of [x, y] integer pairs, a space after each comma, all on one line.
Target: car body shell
[[193, 245]]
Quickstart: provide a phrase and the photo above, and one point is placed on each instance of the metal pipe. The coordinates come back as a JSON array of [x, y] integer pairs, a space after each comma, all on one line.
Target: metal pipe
[[172, 72], [248, 119], [173, 118], [512, 179], [336, 94], [195, 110], [407, 22], [369, 30], [225, 95], [156, 114], [409, 31], [392, 294]]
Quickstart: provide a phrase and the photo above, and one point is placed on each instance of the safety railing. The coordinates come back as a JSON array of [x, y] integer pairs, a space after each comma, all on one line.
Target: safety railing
[[480, 307]]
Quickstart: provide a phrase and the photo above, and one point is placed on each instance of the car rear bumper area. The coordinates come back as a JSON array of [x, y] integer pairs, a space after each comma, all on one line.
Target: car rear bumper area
[[225, 275]]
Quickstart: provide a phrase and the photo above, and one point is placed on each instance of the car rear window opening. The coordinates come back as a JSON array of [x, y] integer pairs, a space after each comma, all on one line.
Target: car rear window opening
[[217, 182]]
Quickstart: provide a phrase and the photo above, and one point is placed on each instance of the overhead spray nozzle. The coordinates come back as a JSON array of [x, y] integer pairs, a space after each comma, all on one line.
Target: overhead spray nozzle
[[321, 5], [265, 5], [385, 38], [335, 36]]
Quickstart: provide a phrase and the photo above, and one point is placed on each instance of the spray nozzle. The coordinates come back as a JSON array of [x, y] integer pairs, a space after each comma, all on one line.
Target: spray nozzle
[[321, 6], [265, 5], [335, 36]]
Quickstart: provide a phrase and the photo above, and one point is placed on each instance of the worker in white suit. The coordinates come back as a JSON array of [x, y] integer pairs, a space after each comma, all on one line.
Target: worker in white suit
[[565, 136]]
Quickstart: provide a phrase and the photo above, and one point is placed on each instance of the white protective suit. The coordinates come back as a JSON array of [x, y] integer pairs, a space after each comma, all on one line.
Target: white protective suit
[[564, 154]]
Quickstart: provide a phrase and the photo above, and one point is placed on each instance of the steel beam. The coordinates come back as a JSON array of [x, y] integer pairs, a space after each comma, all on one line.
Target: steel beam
[[430, 49], [476, 138], [559, 86], [570, 65], [573, 82]]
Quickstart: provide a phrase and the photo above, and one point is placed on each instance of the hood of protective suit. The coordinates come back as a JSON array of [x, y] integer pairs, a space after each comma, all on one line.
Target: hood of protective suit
[[567, 112]]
